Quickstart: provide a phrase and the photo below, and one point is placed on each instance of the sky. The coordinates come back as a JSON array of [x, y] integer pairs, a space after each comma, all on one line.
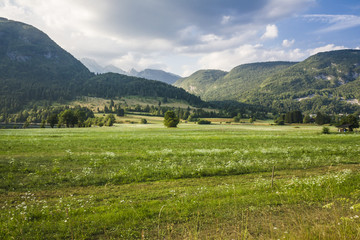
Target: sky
[[183, 36]]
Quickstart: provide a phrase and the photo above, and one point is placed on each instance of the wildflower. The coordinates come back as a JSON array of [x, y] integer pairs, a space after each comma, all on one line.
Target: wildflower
[[328, 206]]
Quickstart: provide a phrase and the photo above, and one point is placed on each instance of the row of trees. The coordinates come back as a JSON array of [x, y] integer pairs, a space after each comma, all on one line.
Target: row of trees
[[320, 119]]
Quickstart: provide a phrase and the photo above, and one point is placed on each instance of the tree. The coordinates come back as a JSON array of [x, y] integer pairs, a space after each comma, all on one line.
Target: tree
[[81, 116], [68, 118], [106, 109], [170, 119], [52, 120], [237, 118], [42, 124], [352, 120], [120, 112], [109, 120], [322, 118], [112, 104], [306, 119]]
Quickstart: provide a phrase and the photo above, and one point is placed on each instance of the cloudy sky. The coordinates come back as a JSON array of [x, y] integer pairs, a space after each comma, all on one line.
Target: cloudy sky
[[182, 36]]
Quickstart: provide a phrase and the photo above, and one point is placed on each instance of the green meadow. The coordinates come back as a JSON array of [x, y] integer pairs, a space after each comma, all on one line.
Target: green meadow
[[144, 181]]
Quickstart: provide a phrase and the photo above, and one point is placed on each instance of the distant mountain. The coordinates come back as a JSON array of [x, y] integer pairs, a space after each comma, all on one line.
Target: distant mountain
[[33, 68], [94, 67], [158, 75], [112, 69], [324, 82], [151, 74]]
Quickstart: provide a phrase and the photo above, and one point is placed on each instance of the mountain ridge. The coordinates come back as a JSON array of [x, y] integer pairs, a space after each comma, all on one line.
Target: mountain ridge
[[318, 83], [35, 68], [151, 74]]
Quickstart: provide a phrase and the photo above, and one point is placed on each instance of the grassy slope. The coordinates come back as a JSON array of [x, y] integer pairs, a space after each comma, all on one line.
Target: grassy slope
[[200, 81], [193, 182], [242, 80]]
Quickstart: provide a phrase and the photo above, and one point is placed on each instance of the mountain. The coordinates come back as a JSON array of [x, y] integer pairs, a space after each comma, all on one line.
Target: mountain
[[326, 70], [323, 82], [242, 80], [151, 74], [216, 85], [112, 85], [113, 69], [33, 68], [96, 68], [158, 75], [199, 82]]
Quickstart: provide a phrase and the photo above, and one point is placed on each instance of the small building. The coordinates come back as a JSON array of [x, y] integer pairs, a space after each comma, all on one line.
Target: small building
[[344, 128]]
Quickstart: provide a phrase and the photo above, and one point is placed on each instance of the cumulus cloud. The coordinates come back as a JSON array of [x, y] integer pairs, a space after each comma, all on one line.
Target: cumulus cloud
[[288, 43], [326, 48], [271, 32], [248, 53]]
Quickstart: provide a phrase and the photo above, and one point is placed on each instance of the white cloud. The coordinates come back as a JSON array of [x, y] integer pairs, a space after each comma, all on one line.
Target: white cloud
[[288, 43], [282, 8], [228, 59], [247, 53], [271, 32], [141, 34], [326, 48], [336, 22], [225, 19]]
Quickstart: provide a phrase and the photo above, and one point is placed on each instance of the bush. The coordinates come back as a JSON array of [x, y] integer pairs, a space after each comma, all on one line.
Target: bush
[[143, 121], [325, 130], [170, 119], [203, 122]]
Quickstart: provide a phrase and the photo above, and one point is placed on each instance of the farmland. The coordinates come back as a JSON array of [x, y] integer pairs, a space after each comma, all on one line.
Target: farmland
[[137, 181]]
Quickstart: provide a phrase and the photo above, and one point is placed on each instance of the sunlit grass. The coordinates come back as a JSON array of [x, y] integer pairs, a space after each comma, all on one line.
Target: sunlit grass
[[197, 182]]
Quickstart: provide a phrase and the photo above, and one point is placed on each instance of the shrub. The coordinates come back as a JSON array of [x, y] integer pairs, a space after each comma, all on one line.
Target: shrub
[[143, 121], [325, 130], [203, 122], [170, 119]]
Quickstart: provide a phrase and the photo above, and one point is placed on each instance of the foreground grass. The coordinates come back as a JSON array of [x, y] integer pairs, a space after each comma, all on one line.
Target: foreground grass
[[195, 182]]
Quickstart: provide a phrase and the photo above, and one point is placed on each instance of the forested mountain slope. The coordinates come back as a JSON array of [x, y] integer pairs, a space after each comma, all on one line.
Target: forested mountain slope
[[33, 67], [328, 81], [199, 82]]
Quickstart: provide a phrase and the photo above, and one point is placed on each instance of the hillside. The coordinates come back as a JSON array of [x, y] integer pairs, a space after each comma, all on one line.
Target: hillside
[[112, 85], [199, 82], [327, 70], [243, 79], [328, 82], [34, 68], [216, 85], [323, 82]]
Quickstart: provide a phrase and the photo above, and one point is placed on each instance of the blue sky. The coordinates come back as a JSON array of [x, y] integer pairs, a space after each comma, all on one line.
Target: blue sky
[[188, 35]]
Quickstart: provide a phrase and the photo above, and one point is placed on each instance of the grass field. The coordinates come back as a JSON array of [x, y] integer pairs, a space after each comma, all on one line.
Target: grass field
[[137, 181]]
